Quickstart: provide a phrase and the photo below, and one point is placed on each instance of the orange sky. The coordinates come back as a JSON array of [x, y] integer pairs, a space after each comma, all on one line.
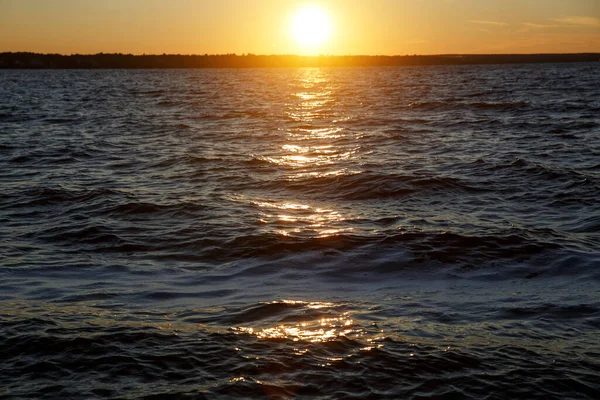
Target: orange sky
[[263, 26]]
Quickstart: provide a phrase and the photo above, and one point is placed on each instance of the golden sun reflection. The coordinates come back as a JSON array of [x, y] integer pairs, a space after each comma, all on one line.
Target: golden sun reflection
[[297, 219], [313, 110], [314, 148], [313, 96], [303, 134], [319, 330]]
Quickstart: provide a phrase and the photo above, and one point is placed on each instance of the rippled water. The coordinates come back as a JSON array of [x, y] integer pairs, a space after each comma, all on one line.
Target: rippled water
[[301, 233]]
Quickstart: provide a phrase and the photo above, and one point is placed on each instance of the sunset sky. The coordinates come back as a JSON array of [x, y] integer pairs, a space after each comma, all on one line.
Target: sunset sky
[[266, 26]]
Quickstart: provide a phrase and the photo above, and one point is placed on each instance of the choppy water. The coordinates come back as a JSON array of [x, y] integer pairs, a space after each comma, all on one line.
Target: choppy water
[[301, 233]]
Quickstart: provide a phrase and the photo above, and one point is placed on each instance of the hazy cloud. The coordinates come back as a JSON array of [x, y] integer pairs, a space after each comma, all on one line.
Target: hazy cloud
[[491, 23], [539, 26], [583, 21]]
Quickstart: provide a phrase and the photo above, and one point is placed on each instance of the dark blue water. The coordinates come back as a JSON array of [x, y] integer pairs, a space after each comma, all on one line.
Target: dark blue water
[[301, 233]]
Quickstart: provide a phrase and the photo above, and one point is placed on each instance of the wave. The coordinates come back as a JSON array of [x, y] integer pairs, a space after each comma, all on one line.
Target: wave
[[297, 349], [545, 173], [50, 196], [479, 105], [369, 185], [402, 249]]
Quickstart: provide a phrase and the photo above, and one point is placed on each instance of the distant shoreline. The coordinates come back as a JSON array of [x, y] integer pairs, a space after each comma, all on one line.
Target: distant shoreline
[[23, 60]]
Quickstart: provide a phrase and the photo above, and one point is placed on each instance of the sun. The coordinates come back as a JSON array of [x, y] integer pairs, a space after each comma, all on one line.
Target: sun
[[311, 27]]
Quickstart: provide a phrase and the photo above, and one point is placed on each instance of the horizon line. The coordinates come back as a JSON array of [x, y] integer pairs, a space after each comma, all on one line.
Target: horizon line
[[232, 60], [249, 54]]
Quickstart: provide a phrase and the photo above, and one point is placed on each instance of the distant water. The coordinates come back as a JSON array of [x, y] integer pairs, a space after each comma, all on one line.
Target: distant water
[[376, 233]]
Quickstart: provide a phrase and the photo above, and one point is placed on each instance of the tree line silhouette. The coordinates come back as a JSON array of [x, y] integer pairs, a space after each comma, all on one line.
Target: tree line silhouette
[[28, 60]]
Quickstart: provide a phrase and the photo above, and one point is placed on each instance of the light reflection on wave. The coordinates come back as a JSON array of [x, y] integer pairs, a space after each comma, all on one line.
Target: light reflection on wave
[[301, 134], [292, 219], [322, 329], [309, 150]]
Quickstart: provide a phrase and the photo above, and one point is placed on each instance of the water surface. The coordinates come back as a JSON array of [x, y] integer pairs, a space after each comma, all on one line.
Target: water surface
[[301, 233]]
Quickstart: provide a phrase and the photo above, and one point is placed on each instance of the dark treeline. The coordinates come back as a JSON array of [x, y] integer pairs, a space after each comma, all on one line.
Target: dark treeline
[[103, 61]]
